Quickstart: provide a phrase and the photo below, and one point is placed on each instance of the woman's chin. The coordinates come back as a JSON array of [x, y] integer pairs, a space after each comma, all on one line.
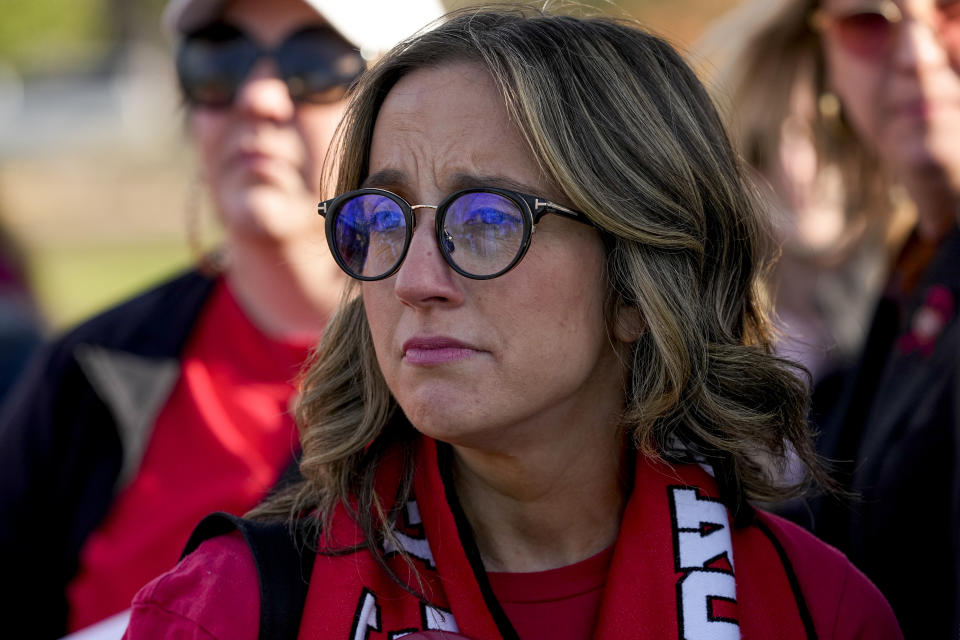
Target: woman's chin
[[269, 213], [922, 149], [446, 424], [929, 167], [464, 428]]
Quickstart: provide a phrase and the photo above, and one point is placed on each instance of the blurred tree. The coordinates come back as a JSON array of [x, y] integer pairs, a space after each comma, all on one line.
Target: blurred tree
[[38, 35], [680, 21], [50, 36]]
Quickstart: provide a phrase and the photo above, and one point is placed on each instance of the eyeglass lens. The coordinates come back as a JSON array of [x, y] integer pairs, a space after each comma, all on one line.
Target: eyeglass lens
[[865, 33], [869, 32], [482, 233], [316, 64]]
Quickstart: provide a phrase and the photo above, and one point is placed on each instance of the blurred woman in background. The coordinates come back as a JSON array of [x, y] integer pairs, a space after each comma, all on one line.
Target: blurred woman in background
[[837, 218], [137, 423], [872, 89]]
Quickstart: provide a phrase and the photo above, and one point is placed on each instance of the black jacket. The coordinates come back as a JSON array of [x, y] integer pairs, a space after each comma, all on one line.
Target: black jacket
[[72, 433], [899, 424]]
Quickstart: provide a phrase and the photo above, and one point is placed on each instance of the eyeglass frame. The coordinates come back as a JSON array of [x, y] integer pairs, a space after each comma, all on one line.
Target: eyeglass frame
[[532, 210], [820, 19], [262, 53]]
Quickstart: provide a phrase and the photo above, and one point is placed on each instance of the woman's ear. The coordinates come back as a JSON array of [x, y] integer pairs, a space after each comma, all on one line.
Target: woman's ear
[[628, 324]]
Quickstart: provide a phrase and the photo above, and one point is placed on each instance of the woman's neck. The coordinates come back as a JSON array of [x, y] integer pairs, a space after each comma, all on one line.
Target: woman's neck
[[937, 205], [288, 290], [546, 509]]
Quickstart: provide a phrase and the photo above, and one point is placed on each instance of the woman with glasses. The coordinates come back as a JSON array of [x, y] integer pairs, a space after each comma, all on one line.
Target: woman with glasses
[[146, 418], [543, 408], [886, 78]]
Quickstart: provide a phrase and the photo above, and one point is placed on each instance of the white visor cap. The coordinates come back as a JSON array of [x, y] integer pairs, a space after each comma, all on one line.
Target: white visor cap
[[372, 26]]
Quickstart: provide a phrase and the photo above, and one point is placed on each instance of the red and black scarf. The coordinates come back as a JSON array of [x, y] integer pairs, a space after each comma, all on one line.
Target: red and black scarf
[[679, 569]]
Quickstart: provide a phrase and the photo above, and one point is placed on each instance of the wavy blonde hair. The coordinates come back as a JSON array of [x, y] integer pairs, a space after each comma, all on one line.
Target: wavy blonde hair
[[766, 65], [622, 125]]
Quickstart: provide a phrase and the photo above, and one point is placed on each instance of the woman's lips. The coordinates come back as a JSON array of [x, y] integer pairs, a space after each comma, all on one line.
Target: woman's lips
[[255, 161], [436, 350], [924, 108], [914, 109]]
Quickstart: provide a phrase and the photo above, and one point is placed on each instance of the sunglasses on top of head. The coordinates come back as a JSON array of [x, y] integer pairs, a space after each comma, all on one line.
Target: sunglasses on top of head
[[867, 30], [482, 232], [315, 63]]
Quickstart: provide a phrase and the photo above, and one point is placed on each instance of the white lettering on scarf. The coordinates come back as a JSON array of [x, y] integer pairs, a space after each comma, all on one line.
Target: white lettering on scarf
[[701, 534], [418, 547], [367, 617], [437, 619], [431, 618]]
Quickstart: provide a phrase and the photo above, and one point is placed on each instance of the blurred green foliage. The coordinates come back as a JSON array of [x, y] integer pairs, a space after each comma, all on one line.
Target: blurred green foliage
[[37, 34], [73, 283]]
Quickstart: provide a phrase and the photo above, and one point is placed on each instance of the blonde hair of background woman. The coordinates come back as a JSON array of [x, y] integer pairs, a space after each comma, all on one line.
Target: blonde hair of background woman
[[765, 66]]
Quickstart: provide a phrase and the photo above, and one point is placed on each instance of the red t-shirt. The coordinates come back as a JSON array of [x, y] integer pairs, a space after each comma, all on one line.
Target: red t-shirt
[[559, 604], [214, 593], [219, 444]]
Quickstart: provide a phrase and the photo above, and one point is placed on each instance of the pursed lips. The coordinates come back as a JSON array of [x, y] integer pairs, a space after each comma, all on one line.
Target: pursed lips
[[914, 102], [263, 164], [246, 157], [258, 150], [430, 350]]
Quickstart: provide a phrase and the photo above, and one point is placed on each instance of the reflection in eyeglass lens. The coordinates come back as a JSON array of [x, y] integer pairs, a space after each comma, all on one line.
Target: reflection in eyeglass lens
[[486, 229], [370, 234]]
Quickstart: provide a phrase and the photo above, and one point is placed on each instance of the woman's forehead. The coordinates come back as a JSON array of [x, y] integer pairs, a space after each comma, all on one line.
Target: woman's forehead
[[452, 114], [448, 126], [269, 23], [445, 82]]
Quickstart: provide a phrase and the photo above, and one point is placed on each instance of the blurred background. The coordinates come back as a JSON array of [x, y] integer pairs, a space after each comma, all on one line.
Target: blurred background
[[95, 169]]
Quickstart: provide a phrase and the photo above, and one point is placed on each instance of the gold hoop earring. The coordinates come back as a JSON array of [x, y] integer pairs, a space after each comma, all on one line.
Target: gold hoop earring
[[829, 107]]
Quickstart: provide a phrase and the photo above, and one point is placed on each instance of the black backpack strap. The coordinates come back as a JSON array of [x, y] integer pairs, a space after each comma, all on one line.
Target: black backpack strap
[[283, 571]]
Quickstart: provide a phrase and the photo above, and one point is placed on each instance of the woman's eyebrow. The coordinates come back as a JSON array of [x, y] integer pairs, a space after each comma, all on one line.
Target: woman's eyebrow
[[388, 179], [396, 180], [466, 181]]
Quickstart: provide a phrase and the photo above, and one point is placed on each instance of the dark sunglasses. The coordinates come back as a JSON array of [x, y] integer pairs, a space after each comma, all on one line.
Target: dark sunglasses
[[482, 232], [316, 64], [868, 31]]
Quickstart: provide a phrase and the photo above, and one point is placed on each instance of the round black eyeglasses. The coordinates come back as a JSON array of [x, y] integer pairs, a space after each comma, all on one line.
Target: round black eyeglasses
[[482, 232]]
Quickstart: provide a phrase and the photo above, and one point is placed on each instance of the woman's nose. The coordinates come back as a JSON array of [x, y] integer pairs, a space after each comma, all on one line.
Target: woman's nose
[[425, 278], [263, 94], [919, 43]]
